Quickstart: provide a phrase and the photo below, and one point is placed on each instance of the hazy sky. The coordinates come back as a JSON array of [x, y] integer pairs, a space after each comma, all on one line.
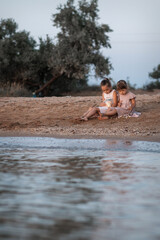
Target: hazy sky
[[135, 39]]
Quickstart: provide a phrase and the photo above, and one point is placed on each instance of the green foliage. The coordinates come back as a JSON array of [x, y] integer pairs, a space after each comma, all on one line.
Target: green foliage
[[40, 70], [16, 52], [7, 28], [65, 85], [152, 85], [155, 74], [79, 41], [22, 60], [68, 60]]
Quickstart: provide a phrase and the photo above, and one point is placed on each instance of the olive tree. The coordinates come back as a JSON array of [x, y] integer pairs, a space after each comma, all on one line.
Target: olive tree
[[78, 43]]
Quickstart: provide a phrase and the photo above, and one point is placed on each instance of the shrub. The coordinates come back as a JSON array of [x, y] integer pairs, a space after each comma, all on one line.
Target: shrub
[[14, 90], [152, 85]]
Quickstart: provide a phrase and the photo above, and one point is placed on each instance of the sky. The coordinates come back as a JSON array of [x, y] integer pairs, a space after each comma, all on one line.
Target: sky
[[135, 39]]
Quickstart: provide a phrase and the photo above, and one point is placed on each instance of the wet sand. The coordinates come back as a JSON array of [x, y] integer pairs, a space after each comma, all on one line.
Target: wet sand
[[55, 117]]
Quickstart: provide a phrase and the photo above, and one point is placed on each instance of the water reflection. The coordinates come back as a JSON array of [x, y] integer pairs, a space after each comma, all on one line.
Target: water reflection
[[83, 193]]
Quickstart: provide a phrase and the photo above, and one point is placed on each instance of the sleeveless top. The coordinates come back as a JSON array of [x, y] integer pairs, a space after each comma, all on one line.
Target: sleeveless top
[[108, 98]]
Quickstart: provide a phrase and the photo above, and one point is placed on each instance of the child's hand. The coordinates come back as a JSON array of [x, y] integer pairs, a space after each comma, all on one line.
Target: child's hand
[[120, 104], [130, 108], [102, 104], [108, 103], [100, 116]]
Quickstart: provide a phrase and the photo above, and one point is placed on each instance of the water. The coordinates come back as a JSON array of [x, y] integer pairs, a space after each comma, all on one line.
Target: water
[[70, 189]]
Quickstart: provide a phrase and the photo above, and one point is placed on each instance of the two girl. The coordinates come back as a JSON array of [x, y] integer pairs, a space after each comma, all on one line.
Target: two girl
[[125, 101]]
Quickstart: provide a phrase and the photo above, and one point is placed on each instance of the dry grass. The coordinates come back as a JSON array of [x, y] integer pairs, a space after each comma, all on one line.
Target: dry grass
[[14, 90]]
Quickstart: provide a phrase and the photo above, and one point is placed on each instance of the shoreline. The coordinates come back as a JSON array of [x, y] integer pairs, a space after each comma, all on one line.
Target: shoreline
[[97, 137]]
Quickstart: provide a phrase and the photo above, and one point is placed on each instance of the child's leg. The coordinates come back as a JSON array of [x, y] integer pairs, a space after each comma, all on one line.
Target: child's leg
[[101, 117], [110, 112], [102, 104], [86, 112], [91, 113]]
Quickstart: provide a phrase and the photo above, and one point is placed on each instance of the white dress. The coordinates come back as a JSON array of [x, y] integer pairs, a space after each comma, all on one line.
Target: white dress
[[108, 100]]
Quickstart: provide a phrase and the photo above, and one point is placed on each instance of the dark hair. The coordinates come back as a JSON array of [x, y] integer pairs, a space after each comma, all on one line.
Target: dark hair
[[121, 84], [107, 82]]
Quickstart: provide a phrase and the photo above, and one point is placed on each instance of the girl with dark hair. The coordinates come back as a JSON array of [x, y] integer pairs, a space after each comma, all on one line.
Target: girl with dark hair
[[109, 99]]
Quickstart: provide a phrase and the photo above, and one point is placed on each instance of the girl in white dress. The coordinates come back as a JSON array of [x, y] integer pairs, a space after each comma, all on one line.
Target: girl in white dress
[[109, 100]]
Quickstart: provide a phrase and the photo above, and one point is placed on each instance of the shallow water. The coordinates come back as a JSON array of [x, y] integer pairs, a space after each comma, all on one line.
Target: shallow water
[[74, 189]]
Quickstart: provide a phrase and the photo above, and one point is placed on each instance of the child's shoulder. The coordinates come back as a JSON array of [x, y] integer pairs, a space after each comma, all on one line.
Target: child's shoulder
[[108, 94], [131, 95], [113, 91]]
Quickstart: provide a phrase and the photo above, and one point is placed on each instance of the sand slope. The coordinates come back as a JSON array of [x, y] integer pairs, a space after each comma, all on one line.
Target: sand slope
[[55, 116]]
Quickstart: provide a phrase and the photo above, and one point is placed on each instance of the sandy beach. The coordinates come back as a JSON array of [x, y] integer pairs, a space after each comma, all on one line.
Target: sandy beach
[[55, 117]]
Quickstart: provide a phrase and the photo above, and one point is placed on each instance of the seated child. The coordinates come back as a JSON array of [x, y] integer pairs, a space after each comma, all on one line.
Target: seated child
[[109, 97]]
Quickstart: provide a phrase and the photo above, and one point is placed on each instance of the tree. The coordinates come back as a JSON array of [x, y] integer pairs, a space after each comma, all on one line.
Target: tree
[[78, 43], [156, 73], [22, 60], [17, 50], [40, 70], [156, 76], [66, 62]]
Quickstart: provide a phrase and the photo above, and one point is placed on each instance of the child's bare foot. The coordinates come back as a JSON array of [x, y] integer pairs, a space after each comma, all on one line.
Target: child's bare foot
[[81, 119], [84, 119]]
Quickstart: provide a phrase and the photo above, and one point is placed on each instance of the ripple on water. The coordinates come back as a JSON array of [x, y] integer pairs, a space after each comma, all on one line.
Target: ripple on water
[[79, 189]]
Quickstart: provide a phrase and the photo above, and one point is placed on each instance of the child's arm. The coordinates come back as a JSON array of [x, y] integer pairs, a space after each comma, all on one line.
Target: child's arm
[[102, 104], [115, 101], [133, 104], [102, 97], [119, 103]]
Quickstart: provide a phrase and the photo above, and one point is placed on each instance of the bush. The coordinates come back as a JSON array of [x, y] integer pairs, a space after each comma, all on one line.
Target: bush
[[14, 90], [152, 85]]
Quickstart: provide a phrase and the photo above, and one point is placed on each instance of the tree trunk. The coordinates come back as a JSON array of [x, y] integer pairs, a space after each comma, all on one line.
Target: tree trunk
[[46, 84]]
